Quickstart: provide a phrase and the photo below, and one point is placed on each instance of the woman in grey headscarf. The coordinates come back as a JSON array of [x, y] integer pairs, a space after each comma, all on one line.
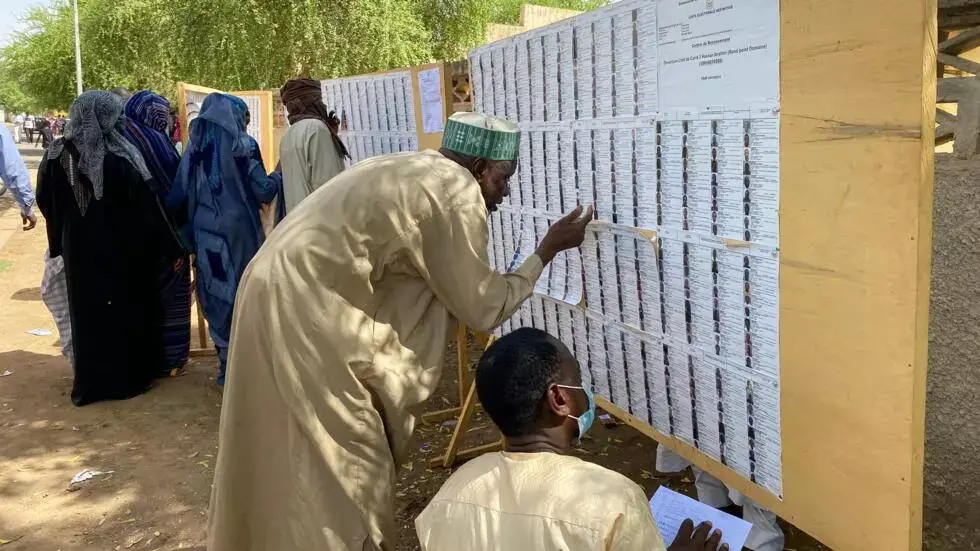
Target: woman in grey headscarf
[[105, 221]]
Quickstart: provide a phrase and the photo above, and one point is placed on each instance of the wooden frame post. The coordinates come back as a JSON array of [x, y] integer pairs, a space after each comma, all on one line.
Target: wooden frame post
[[468, 405]]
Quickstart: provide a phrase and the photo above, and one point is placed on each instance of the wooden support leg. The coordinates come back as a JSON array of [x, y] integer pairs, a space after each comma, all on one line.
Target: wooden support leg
[[469, 404], [469, 453], [462, 366], [483, 339], [202, 324], [202, 349], [461, 426], [441, 415], [202, 328]]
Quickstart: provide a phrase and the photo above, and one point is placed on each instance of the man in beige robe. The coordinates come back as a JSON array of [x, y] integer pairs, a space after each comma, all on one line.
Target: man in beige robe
[[341, 323]]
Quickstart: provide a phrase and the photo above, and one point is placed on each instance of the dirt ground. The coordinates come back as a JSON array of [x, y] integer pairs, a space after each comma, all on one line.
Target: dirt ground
[[161, 446], [952, 473]]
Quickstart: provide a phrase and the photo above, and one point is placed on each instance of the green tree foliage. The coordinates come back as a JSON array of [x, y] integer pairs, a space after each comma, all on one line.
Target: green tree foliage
[[236, 44], [14, 99], [37, 69], [458, 25]]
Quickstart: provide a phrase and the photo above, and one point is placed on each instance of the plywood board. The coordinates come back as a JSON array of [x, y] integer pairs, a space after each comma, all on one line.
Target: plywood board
[[378, 112], [678, 317], [260, 109], [856, 123], [261, 126], [432, 140], [382, 112], [858, 98], [189, 100]]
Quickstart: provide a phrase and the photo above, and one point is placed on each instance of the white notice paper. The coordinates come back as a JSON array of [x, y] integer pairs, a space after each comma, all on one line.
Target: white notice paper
[[430, 91], [664, 115], [711, 52], [670, 509]]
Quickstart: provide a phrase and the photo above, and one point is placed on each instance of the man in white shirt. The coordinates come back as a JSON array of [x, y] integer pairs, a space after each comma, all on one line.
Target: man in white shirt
[[533, 495], [29, 128], [18, 127]]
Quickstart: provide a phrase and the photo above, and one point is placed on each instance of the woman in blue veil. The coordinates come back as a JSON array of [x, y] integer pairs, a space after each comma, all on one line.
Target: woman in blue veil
[[221, 186]]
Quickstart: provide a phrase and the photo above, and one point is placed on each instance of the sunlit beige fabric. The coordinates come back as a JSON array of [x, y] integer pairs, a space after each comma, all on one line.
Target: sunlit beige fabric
[[309, 159], [542, 501], [341, 324]]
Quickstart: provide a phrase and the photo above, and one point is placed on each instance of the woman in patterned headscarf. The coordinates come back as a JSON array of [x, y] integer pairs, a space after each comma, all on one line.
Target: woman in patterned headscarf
[[147, 119], [96, 193], [221, 185]]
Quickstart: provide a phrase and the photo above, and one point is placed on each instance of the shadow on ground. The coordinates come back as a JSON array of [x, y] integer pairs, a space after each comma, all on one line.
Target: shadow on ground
[[6, 200], [161, 447]]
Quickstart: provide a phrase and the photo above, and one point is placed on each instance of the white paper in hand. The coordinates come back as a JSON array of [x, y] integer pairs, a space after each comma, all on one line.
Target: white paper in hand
[[670, 508]]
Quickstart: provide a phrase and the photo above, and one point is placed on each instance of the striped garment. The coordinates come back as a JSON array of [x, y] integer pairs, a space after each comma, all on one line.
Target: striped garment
[[175, 328], [54, 293], [146, 125]]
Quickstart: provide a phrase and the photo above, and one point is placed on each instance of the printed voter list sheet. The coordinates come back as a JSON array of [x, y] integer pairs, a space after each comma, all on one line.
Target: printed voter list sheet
[[713, 50], [670, 509], [430, 90]]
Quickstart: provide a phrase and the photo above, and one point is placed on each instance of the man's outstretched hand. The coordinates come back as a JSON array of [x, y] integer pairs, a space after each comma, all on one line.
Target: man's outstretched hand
[[566, 233], [691, 539]]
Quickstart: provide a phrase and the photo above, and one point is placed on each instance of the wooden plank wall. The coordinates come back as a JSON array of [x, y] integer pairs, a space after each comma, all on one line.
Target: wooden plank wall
[[857, 137], [432, 140], [268, 145], [858, 117]]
